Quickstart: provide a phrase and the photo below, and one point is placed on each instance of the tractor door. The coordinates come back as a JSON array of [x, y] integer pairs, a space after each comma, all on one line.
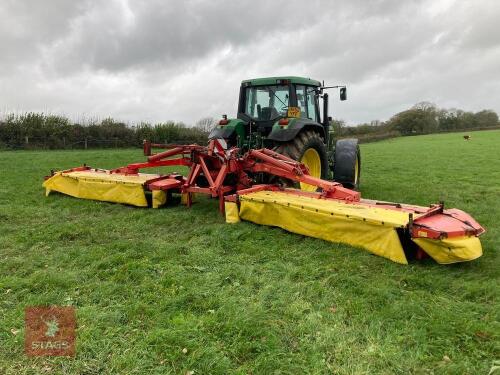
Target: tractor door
[[307, 101]]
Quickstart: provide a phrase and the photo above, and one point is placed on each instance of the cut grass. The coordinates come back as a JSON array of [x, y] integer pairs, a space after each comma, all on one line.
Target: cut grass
[[245, 298]]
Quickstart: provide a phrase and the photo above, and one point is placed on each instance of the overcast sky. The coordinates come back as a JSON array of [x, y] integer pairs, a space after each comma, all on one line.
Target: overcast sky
[[183, 60]]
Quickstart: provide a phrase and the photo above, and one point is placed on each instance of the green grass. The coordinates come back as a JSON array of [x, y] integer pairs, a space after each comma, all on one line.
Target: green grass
[[245, 298]]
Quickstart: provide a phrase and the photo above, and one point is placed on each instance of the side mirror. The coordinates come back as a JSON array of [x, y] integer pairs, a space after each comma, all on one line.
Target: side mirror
[[343, 93]]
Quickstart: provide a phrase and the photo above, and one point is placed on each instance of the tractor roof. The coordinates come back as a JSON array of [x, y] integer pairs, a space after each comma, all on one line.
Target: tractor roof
[[273, 81]]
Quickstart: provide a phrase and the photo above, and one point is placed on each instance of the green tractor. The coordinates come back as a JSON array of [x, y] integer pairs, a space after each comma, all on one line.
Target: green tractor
[[283, 114]]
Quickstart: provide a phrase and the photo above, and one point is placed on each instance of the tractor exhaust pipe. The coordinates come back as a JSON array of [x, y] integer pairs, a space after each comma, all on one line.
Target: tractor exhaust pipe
[[326, 119]]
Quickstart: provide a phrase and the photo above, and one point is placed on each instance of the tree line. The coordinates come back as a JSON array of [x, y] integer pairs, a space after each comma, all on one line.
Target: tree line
[[422, 118], [39, 130]]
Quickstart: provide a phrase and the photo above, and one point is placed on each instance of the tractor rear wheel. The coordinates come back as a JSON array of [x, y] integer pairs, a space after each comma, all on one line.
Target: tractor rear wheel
[[347, 163], [309, 148]]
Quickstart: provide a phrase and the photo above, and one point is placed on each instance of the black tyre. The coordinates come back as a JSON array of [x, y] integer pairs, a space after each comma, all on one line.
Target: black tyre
[[309, 148], [347, 163]]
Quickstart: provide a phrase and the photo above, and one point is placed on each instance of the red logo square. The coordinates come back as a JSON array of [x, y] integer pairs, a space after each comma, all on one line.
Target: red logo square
[[50, 331]]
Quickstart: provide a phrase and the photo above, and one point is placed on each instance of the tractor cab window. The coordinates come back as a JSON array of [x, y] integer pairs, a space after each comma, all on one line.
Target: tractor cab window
[[301, 100], [306, 101], [311, 104], [266, 102]]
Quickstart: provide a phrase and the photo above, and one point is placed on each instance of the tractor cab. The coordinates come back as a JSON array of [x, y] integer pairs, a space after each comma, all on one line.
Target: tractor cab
[[267, 100]]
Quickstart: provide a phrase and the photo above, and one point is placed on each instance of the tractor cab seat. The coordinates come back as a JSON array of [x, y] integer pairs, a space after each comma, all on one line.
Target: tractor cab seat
[[268, 113]]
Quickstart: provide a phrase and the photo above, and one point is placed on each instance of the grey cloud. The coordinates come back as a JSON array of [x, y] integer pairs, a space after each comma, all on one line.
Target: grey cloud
[[123, 35], [182, 60]]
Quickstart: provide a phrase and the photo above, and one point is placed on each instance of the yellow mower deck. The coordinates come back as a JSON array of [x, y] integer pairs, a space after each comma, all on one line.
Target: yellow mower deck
[[101, 185], [358, 224]]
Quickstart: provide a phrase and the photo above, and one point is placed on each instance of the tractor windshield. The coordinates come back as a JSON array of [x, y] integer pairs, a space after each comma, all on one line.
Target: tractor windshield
[[266, 102]]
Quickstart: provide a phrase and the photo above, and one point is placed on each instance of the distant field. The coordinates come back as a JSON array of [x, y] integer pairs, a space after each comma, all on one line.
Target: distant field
[[244, 298]]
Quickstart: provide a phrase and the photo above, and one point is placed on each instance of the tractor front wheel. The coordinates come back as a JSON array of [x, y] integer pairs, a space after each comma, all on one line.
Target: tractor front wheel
[[309, 148]]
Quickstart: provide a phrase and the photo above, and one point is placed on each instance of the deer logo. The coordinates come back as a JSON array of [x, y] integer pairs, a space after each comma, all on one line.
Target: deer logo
[[52, 327]]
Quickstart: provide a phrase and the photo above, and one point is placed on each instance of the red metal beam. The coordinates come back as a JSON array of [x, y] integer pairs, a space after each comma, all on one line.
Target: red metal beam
[[206, 172], [166, 154], [133, 168]]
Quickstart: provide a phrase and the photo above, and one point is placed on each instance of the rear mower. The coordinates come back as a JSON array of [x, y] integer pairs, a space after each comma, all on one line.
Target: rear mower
[[253, 165], [331, 212]]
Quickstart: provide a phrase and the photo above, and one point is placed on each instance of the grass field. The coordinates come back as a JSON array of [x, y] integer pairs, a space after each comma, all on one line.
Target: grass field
[[243, 298]]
